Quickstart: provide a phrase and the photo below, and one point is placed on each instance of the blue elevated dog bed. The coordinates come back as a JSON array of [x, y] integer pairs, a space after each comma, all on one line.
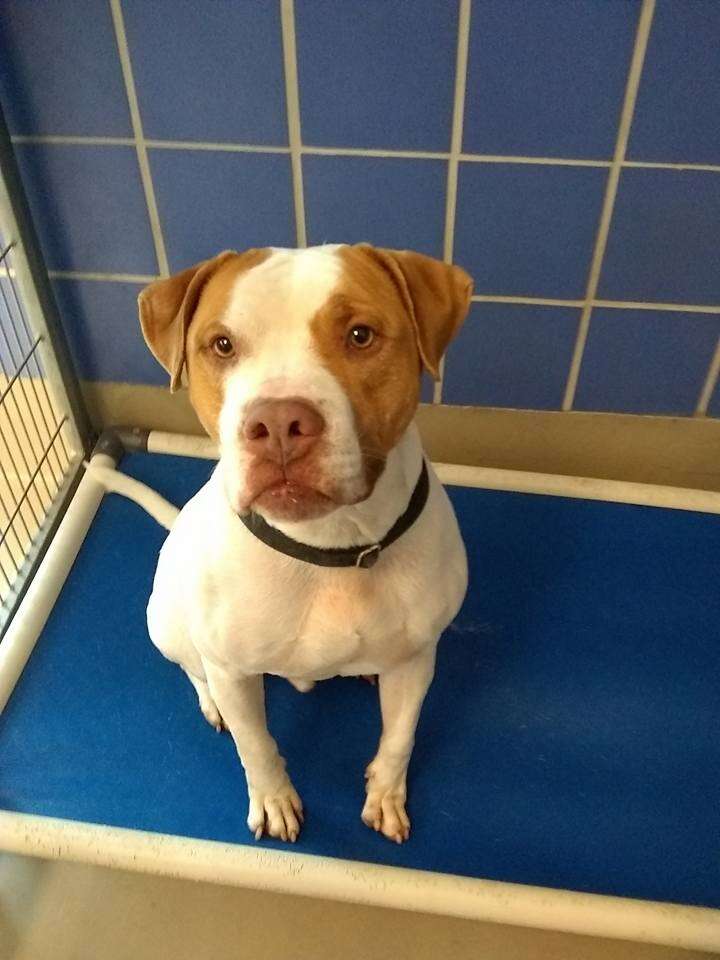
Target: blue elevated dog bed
[[570, 739]]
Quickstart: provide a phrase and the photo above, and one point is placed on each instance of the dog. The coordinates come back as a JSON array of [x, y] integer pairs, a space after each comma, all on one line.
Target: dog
[[323, 544]]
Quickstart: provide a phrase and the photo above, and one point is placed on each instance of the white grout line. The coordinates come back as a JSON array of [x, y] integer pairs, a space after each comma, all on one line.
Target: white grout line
[[662, 307], [140, 146], [456, 137], [292, 99], [547, 161], [711, 381], [375, 152], [102, 277], [628, 108], [215, 147], [611, 304], [231, 147], [477, 298], [76, 141], [529, 301], [648, 165]]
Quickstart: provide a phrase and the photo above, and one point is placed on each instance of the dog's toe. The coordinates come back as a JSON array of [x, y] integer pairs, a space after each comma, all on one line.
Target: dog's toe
[[278, 813], [384, 812], [212, 715]]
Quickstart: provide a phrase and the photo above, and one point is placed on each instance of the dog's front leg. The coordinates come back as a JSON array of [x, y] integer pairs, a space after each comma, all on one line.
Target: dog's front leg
[[275, 807], [402, 691]]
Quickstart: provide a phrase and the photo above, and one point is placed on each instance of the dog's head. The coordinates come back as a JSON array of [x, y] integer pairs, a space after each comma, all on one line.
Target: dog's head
[[305, 364]]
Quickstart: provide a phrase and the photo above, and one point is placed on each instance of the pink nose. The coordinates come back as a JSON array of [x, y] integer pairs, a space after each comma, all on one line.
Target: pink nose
[[282, 430]]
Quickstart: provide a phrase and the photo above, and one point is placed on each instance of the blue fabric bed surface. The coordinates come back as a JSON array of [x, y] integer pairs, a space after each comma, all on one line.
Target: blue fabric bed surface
[[570, 738]]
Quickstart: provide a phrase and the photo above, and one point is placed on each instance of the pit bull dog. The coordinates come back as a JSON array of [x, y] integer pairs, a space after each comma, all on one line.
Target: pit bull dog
[[323, 544]]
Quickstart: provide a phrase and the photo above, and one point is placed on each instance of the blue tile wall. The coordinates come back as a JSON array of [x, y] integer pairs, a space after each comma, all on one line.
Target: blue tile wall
[[544, 91], [547, 79], [388, 202], [112, 346], [221, 63], [511, 355], [377, 73], [528, 230], [88, 206], [59, 69], [714, 408], [640, 361], [676, 117], [663, 243], [212, 201]]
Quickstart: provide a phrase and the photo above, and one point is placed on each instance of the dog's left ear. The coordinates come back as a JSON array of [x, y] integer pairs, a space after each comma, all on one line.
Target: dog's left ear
[[437, 297], [166, 309]]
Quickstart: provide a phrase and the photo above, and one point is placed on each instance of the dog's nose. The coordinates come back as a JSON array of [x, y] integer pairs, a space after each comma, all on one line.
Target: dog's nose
[[282, 430]]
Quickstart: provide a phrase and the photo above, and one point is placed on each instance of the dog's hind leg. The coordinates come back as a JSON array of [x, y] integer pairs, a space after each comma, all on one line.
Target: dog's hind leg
[[207, 704]]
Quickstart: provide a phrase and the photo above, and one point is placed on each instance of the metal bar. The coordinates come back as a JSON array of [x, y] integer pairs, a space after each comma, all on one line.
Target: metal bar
[[18, 472], [41, 372], [43, 543], [19, 549], [29, 484], [51, 564], [40, 454], [355, 881], [6, 511], [42, 289], [18, 541], [21, 418], [25, 431], [19, 370], [494, 478], [12, 494], [29, 335], [24, 391], [8, 581]]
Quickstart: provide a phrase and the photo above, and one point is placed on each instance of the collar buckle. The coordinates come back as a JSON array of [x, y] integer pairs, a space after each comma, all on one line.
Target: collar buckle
[[368, 557]]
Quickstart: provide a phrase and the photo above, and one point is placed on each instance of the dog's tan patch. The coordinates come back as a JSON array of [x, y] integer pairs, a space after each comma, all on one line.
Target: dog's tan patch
[[181, 316], [414, 304], [206, 371]]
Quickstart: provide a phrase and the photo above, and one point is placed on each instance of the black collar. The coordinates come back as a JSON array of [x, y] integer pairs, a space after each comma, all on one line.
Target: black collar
[[365, 556]]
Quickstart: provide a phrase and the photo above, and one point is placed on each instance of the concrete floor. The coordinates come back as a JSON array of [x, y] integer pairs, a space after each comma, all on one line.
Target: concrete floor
[[63, 911]]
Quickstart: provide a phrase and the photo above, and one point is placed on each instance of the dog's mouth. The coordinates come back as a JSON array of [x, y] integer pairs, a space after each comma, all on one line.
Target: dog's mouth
[[298, 491], [287, 499], [302, 489]]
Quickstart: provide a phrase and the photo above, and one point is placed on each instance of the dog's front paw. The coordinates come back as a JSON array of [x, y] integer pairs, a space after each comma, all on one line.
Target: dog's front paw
[[384, 809], [278, 812]]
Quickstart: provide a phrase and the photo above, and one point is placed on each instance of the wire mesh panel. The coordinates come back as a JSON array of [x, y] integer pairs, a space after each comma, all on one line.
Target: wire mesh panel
[[36, 452], [43, 426]]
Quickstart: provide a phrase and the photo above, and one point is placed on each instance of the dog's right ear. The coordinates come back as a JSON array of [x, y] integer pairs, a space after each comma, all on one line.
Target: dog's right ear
[[166, 310]]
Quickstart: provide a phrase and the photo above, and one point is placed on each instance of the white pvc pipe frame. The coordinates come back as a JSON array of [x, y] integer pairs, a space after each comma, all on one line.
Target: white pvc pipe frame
[[290, 872]]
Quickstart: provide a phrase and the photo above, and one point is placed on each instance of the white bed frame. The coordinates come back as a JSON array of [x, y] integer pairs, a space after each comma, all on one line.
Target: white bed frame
[[290, 872]]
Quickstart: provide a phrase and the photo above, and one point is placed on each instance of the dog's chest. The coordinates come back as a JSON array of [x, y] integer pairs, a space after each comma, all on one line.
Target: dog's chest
[[221, 593], [346, 624]]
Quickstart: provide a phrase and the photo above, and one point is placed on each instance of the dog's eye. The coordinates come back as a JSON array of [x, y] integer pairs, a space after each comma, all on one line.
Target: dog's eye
[[223, 347], [360, 336]]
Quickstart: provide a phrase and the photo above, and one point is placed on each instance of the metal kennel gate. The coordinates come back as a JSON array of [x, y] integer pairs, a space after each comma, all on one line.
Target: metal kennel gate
[[44, 429]]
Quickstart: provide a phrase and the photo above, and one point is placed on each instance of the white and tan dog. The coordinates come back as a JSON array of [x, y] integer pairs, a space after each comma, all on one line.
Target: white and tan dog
[[306, 364]]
